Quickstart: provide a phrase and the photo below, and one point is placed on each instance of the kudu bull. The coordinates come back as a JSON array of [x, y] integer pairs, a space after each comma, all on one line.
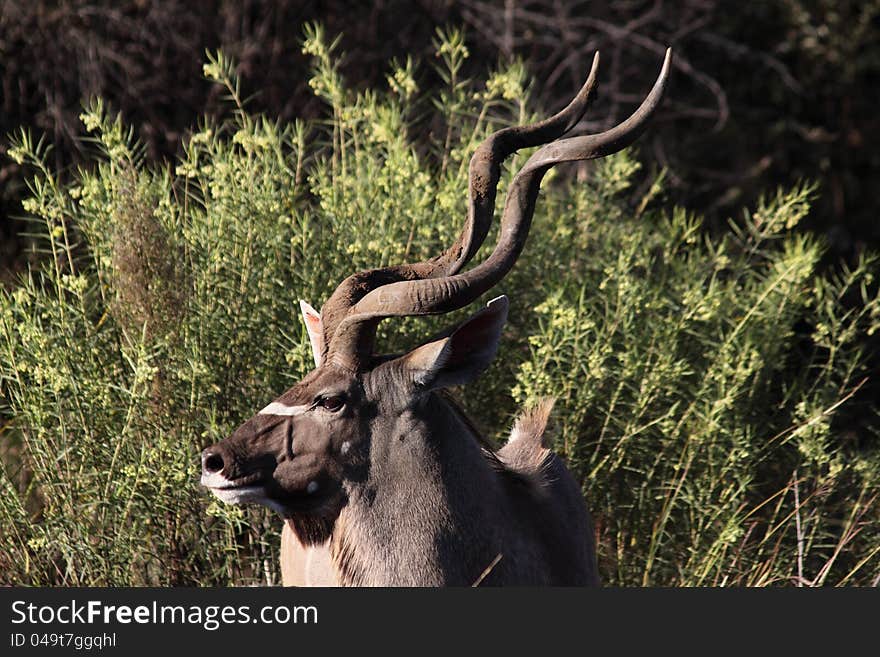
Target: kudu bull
[[379, 476]]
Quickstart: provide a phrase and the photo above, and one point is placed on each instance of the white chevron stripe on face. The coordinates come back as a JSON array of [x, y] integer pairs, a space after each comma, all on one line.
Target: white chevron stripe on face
[[277, 408]]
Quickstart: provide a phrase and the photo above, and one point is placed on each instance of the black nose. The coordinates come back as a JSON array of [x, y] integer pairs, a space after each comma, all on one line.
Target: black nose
[[212, 462]]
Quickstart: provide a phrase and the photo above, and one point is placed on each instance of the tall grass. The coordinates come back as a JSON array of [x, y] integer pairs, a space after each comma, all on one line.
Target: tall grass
[[706, 384]]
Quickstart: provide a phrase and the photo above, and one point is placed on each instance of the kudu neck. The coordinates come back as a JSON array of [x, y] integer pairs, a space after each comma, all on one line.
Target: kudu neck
[[425, 506]]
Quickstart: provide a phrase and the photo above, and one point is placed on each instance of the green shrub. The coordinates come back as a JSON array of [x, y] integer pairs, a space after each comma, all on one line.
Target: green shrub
[[701, 381]]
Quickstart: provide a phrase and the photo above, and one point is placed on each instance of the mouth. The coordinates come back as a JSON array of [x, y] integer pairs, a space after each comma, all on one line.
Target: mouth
[[250, 488], [261, 488], [242, 495], [217, 481]]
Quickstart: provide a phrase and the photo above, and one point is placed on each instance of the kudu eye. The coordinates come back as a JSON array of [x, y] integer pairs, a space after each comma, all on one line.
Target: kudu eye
[[332, 403]]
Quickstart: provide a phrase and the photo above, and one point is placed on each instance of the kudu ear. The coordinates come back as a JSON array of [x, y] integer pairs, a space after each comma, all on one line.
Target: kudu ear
[[315, 329], [463, 355]]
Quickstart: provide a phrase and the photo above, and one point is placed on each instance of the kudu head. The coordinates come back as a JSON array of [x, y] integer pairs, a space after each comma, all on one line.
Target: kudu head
[[301, 454]]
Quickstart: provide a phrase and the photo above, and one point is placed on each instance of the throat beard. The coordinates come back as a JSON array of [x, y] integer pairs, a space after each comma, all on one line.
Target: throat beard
[[347, 560], [310, 530]]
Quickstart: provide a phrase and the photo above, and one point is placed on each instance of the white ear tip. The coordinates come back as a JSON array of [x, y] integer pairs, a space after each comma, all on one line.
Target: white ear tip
[[307, 308], [500, 300]]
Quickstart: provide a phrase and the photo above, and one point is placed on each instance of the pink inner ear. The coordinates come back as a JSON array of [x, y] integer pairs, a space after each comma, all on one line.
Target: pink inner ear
[[313, 320]]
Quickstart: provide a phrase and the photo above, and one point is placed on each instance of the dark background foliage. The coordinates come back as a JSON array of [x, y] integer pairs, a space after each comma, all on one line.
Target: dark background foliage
[[764, 93]]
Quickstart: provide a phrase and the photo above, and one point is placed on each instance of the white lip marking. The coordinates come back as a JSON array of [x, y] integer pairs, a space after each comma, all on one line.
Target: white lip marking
[[312, 487], [345, 447], [215, 480], [277, 408], [221, 487], [243, 495]]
